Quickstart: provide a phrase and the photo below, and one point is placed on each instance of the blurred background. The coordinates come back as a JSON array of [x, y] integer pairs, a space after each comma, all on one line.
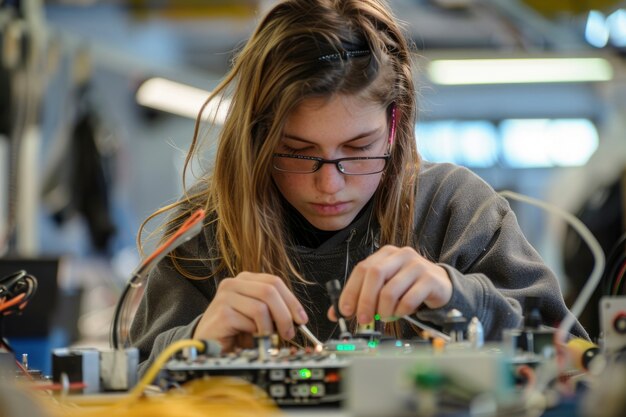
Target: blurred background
[[98, 100]]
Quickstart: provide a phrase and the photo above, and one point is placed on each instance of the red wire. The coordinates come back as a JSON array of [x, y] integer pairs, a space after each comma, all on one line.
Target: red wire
[[58, 387], [24, 370], [618, 281]]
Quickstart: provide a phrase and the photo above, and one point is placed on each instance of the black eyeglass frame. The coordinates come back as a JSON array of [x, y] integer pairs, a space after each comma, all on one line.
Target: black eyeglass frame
[[336, 162]]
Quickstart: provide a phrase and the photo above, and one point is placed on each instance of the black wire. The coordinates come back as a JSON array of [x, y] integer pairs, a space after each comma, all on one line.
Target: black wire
[[116, 317], [7, 282], [614, 260], [15, 284]]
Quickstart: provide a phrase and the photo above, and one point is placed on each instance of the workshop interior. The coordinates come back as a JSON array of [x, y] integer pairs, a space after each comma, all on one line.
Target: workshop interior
[[98, 105]]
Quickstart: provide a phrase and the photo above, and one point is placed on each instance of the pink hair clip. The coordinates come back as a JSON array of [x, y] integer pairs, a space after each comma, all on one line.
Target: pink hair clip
[[392, 134]]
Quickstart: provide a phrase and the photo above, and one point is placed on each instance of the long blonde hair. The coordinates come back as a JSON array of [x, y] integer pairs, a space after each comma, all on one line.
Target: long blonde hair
[[298, 51]]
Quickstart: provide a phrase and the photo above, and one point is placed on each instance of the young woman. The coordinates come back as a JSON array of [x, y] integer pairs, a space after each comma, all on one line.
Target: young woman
[[317, 177]]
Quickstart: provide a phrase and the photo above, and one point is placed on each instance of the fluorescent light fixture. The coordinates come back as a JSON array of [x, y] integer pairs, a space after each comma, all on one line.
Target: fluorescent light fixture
[[517, 143], [546, 143], [617, 27], [514, 71], [597, 29], [469, 143], [180, 99]]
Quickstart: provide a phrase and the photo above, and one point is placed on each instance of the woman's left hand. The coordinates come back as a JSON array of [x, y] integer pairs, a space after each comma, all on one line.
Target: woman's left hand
[[393, 282]]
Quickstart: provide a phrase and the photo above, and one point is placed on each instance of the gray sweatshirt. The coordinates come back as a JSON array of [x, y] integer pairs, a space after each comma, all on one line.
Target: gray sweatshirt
[[461, 224]]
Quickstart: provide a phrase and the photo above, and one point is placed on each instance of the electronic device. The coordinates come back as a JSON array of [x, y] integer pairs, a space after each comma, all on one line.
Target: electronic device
[[288, 376], [100, 370], [391, 383]]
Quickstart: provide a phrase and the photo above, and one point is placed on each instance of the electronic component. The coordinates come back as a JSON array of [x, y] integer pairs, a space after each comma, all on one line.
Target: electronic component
[[353, 345], [533, 337], [333, 288], [613, 323], [475, 333], [582, 352], [77, 365], [290, 378], [455, 325], [118, 369], [98, 370]]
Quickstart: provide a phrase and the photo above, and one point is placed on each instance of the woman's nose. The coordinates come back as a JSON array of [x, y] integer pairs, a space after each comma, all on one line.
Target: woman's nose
[[328, 179]]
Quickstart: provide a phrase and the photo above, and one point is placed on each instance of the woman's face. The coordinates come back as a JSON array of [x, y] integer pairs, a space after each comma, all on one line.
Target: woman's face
[[344, 126]]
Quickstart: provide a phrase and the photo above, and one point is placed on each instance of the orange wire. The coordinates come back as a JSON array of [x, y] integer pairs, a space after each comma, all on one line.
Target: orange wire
[[196, 217], [12, 301]]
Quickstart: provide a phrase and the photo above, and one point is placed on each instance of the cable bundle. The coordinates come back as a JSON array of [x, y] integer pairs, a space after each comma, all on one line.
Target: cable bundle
[[616, 268], [134, 287], [16, 290]]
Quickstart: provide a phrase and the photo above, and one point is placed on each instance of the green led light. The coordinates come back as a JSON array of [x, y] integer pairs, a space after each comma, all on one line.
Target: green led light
[[346, 347], [304, 373], [376, 316], [314, 389], [398, 343], [372, 344]]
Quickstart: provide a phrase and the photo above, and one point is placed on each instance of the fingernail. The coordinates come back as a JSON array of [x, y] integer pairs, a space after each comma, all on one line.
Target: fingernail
[[291, 333], [303, 316], [346, 309], [364, 318]]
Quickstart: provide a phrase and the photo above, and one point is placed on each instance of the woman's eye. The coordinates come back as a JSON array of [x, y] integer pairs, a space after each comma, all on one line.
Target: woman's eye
[[362, 148], [289, 149]]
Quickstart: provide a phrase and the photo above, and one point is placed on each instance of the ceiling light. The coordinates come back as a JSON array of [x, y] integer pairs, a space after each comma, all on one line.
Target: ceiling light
[[596, 29], [180, 99], [514, 71], [513, 143], [617, 27]]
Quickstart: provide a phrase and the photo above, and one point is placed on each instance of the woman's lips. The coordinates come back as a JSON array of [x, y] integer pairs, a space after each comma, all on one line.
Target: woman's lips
[[330, 209]]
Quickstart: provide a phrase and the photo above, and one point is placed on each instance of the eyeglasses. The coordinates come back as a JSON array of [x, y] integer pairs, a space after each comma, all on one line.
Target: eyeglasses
[[366, 165], [300, 164]]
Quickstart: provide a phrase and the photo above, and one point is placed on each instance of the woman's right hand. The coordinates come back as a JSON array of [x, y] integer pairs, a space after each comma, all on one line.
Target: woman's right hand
[[250, 304]]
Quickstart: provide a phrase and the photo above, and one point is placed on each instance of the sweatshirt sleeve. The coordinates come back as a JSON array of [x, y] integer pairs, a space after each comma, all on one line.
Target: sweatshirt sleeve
[[172, 304], [471, 231]]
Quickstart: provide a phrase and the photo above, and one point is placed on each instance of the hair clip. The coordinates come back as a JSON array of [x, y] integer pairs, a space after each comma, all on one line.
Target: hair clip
[[344, 55], [392, 133]]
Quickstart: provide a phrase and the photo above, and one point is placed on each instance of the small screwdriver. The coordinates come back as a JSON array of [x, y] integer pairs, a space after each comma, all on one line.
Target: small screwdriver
[[333, 288]]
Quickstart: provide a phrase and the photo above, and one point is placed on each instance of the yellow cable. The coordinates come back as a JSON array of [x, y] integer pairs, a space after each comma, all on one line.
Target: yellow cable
[[223, 396], [154, 370], [215, 396]]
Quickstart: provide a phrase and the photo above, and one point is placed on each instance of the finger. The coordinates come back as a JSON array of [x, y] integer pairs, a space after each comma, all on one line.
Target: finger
[[284, 307], [297, 312], [377, 275], [393, 290], [350, 295], [222, 321], [413, 298], [332, 316], [270, 304], [256, 311]]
